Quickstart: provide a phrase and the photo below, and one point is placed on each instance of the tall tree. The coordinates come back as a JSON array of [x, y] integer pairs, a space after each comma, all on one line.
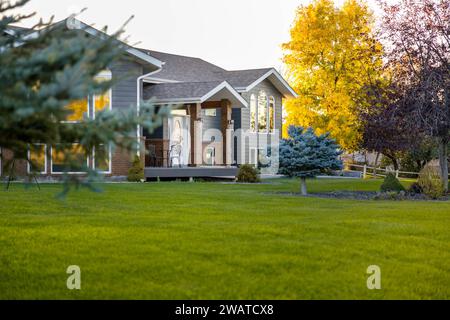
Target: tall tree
[[417, 36], [44, 72], [332, 54], [305, 154], [383, 126]]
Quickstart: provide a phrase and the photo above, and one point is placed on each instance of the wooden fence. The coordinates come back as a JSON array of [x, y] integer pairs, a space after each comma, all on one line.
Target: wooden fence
[[367, 171]]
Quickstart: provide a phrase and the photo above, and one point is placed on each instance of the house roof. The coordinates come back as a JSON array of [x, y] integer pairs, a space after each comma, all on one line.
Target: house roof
[[193, 92], [185, 69], [75, 24], [177, 68]]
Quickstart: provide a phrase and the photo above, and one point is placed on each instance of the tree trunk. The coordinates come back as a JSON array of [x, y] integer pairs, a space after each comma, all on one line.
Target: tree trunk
[[394, 161], [303, 186], [443, 161]]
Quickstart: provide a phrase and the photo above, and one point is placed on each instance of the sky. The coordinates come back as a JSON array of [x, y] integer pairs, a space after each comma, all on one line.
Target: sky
[[234, 34]]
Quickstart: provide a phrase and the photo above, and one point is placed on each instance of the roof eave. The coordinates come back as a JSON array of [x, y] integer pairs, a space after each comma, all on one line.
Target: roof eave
[[75, 24], [241, 103], [283, 86]]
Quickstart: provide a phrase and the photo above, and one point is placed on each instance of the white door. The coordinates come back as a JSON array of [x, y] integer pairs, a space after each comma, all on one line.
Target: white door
[[179, 133]]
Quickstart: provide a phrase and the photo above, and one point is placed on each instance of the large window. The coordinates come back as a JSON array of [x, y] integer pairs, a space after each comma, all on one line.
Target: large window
[[271, 114], [79, 110], [103, 101], [253, 113], [37, 157], [76, 160], [102, 158], [262, 112]]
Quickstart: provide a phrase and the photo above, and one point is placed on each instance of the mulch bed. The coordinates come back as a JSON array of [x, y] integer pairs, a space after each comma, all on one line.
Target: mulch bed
[[367, 195]]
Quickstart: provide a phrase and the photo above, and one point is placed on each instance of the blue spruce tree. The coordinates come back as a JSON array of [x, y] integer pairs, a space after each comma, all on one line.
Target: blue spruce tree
[[305, 154]]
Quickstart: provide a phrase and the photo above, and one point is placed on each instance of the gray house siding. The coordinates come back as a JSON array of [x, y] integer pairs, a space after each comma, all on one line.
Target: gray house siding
[[124, 93], [241, 118]]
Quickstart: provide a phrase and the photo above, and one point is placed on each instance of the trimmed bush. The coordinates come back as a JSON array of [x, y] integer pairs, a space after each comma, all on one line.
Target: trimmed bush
[[391, 184], [248, 173], [430, 181], [136, 172]]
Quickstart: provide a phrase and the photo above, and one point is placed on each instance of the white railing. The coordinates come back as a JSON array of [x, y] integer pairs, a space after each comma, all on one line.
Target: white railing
[[366, 171]]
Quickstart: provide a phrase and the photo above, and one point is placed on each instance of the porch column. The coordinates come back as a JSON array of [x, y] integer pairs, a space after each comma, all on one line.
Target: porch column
[[196, 134], [226, 131]]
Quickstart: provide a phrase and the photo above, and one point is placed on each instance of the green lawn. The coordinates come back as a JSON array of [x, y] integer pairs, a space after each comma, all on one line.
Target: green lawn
[[221, 241]]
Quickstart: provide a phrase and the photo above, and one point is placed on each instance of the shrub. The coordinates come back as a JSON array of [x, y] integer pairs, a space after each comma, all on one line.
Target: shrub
[[430, 181], [136, 172], [391, 184], [415, 188], [248, 173]]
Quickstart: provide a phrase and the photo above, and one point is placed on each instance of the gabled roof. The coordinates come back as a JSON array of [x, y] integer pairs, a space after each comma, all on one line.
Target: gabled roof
[[274, 77], [177, 68], [193, 92], [75, 24]]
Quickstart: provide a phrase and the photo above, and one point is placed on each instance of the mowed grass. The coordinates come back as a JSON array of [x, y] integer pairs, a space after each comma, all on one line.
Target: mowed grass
[[221, 241]]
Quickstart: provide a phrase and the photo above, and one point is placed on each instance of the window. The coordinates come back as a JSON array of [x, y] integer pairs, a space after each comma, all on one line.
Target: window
[[103, 101], [271, 114], [210, 156], [37, 156], [179, 112], [80, 110], [262, 112], [76, 160], [102, 158], [253, 113], [211, 112]]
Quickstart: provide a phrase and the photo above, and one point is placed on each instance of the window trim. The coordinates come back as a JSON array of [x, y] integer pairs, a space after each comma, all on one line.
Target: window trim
[[45, 159], [253, 98], [70, 172], [109, 161], [272, 99]]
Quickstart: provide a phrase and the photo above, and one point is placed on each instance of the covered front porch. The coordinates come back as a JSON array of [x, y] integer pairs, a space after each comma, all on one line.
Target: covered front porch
[[196, 141]]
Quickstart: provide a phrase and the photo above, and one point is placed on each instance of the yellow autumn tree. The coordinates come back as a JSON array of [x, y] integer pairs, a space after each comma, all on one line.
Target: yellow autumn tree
[[332, 54]]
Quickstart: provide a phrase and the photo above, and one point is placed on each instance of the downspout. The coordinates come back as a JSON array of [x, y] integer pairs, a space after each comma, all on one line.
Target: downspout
[[139, 98]]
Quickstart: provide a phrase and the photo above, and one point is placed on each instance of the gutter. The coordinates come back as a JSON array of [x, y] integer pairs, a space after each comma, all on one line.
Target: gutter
[[139, 82]]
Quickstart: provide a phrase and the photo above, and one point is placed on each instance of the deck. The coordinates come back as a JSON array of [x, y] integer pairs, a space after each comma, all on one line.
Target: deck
[[191, 172]]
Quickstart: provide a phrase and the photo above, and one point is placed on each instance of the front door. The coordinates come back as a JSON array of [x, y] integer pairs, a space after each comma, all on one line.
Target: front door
[[180, 144]]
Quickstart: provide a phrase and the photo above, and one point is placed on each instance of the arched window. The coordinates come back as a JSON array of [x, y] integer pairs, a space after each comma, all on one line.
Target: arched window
[[103, 101], [262, 111], [253, 113], [271, 114]]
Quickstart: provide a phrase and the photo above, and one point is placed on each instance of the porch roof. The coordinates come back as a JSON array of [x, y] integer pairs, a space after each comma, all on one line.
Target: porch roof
[[194, 92]]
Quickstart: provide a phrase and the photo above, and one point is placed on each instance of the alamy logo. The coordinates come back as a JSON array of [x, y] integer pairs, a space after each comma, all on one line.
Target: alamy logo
[[74, 280], [374, 280]]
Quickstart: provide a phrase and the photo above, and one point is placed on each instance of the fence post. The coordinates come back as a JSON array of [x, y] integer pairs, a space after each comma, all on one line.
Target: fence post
[[365, 172], [397, 173]]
